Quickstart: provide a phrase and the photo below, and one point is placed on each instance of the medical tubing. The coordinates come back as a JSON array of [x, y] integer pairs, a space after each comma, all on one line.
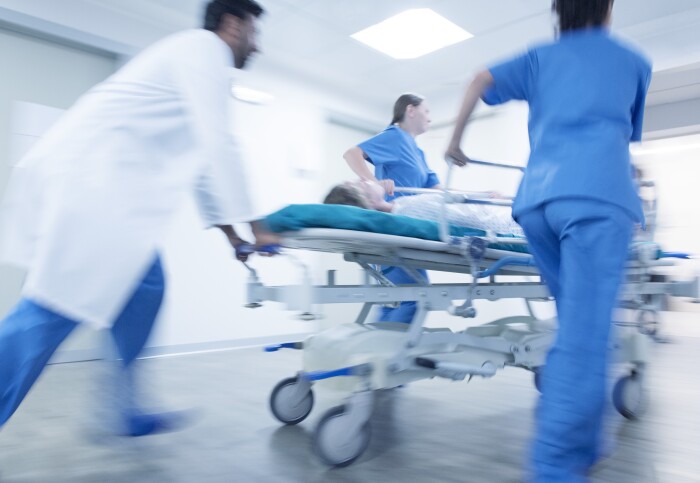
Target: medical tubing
[[493, 269]]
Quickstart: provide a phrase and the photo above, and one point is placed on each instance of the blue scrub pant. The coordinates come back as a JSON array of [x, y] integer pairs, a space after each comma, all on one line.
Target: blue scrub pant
[[30, 335], [404, 312], [580, 247]]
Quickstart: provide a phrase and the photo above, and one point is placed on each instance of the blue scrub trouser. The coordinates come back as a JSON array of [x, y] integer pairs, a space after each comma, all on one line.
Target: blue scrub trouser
[[580, 247], [404, 312], [30, 335]]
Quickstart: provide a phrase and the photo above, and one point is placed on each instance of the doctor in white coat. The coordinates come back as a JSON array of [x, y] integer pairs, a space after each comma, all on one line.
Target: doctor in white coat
[[105, 182]]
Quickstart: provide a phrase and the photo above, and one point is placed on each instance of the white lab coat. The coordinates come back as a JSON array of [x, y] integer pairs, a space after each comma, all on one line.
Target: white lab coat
[[88, 206]]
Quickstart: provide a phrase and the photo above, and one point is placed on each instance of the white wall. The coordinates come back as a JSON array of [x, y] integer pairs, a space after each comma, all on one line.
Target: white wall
[[50, 74], [92, 24], [674, 166], [338, 139], [672, 119], [293, 155], [497, 135]]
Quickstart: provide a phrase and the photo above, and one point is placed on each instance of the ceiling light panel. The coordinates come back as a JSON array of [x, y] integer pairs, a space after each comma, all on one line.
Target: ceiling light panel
[[412, 34]]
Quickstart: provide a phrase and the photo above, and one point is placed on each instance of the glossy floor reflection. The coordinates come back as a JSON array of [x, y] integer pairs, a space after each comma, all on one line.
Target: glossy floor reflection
[[432, 431]]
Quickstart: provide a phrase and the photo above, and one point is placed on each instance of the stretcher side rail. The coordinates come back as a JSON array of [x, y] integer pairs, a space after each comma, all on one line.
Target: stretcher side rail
[[441, 262], [437, 296]]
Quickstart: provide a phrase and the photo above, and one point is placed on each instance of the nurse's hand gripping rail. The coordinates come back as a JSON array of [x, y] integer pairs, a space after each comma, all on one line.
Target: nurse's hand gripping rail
[[364, 357]]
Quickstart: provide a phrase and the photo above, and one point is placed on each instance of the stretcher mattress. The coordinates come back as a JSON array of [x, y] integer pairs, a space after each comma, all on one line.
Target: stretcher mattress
[[294, 218]]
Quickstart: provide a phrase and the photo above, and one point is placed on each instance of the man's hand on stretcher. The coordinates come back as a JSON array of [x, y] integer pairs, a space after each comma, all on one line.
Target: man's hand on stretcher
[[266, 242]]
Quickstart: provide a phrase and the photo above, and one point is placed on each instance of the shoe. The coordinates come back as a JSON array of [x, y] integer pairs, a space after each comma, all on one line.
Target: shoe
[[143, 424]]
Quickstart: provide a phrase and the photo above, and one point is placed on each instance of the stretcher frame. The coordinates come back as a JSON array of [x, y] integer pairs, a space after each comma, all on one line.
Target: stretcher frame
[[410, 352]]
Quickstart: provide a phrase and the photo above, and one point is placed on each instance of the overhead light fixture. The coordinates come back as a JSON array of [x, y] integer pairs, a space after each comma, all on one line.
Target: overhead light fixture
[[412, 34], [252, 96]]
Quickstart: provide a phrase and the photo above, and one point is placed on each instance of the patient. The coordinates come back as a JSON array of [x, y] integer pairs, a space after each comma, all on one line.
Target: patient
[[370, 195]]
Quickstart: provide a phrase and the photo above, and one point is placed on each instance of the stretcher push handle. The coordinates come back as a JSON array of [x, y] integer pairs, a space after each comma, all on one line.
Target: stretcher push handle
[[496, 165], [243, 250], [451, 162], [269, 249]]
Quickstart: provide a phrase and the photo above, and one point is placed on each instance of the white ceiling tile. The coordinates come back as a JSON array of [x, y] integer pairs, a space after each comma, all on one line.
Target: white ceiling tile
[[483, 16], [631, 12], [298, 34], [310, 39]]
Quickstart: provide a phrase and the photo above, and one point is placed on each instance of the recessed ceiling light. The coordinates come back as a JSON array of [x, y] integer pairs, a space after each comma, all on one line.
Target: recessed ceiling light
[[412, 33]]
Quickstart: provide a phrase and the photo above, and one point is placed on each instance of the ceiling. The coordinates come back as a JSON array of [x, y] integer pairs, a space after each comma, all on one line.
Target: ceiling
[[309, 40]]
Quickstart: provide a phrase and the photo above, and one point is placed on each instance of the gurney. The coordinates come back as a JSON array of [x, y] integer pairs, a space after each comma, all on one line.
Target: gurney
[[364, 357]]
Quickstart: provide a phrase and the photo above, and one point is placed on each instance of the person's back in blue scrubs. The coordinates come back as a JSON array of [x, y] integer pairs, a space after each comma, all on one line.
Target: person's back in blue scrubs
[[398, 162], [577, 205]]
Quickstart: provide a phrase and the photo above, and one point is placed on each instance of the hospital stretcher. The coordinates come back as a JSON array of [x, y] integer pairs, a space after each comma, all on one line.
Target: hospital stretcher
[[365, 356]]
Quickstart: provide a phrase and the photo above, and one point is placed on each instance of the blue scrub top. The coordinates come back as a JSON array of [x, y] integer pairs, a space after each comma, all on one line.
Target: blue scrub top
[[395, 155], [586, 94]]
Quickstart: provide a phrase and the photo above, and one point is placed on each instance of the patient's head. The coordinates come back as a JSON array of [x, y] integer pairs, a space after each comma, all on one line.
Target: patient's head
[[362, 193], [346, 194]]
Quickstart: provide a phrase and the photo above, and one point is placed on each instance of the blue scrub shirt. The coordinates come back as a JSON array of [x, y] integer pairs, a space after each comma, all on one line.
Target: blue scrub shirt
[[395, 155], [586, 94]]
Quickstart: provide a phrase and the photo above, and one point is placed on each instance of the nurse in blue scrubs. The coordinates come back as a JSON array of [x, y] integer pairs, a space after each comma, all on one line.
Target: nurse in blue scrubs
[[398, 162], [577, 204]]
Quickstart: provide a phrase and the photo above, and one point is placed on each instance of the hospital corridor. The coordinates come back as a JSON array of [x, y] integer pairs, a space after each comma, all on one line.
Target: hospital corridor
[[349, 241]]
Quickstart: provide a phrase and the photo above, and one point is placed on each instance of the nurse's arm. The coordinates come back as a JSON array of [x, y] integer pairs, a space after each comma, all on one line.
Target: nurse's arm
[[474, 92], [355, 158]]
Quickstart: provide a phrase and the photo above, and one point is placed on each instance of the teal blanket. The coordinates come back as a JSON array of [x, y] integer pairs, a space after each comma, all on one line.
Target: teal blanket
[[298, 217]]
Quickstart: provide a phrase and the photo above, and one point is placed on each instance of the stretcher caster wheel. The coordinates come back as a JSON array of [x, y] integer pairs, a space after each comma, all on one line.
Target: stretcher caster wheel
[[337, 441], [628, 396], [289, 402]]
